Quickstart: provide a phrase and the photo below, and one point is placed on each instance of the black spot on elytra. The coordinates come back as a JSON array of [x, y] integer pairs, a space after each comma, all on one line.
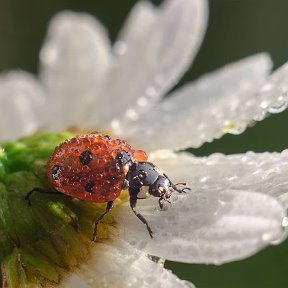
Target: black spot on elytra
[[85, 157], [123, 158], [89, 186], [56, 171]]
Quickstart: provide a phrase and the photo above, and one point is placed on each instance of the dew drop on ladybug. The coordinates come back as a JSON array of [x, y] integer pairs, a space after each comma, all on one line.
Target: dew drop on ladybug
[[97, 168]]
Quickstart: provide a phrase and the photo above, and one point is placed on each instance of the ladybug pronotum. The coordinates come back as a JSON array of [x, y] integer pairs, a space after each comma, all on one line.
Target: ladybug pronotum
[[97, 168]]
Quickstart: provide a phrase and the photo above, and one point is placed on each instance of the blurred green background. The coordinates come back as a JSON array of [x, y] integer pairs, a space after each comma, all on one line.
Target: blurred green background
[[237, 28]]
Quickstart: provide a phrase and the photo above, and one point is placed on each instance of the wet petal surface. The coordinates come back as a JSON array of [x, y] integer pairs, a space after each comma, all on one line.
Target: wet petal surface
[[149, 63], [211, 224], [261, 172], [224, 101], [120, 265]]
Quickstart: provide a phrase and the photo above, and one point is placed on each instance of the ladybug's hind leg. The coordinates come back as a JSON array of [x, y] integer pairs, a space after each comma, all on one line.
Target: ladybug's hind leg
[[109, 206], [39, 190]]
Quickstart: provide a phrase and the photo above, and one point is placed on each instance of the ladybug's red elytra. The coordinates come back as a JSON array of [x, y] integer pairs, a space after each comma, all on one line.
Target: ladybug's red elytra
[[97, 168]]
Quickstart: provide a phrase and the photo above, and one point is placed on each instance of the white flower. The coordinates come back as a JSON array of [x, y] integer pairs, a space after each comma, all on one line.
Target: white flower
[[237, 203]]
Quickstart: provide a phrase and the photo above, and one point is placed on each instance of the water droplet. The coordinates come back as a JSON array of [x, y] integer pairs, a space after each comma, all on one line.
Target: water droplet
[[232, 178], [260, 115], [115, 124], [204, 179], [217, 262], [49, 54], [280, 105], [142, 102], [267, 237], [233, 128], [264, 104], [131, 114], [120, 48], [151, 91], [285, 222]]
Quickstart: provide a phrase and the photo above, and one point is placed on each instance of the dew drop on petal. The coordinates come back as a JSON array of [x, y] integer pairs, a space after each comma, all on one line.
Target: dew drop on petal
[[131, 114], [260, 115], [151, 92], [267, 87], [142, 102], [266, 237], [233, 128], [280, 105], [115, 124], [120, 48], [285, 222], [49, 55], [264, 104]]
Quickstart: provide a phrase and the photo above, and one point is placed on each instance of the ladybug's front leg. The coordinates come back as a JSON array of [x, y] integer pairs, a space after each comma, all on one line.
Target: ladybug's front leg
[[133, 202], [109, 206]]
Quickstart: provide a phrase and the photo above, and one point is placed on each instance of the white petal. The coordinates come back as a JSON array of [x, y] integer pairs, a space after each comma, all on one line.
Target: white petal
[[154, 58], [211, 224], [120, 265], [141, 18], [21, 102], [219, 102], [75, 59], [261, 172], [274, 93]]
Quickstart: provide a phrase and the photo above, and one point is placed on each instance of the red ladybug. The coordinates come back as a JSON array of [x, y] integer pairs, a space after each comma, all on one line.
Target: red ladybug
[[97, 168]]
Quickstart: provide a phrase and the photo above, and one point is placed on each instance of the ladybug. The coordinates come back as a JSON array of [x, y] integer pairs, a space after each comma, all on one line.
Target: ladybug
[[97, 168]]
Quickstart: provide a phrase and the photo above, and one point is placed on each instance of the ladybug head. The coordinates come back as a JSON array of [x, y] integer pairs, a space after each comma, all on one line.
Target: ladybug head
[[145, 179]]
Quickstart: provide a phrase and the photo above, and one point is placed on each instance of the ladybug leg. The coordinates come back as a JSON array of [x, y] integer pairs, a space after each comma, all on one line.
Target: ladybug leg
[[133, 202], [160, 201], [40, 190], [125, 185], [183, 190], [109, 206]]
